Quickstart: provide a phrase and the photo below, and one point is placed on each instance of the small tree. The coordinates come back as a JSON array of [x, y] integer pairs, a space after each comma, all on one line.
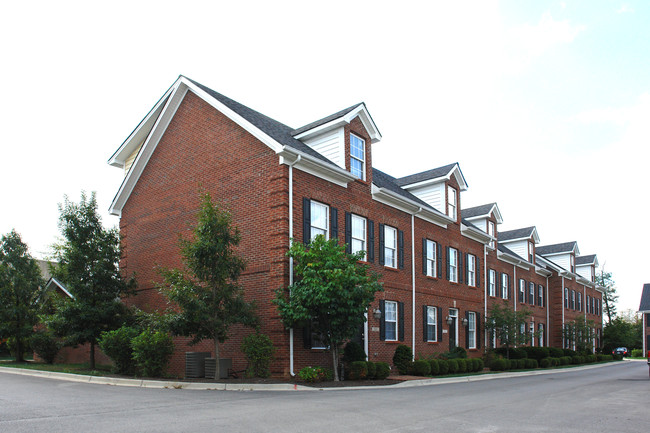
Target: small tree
[[581, 333], [207, 293], [20, 289], [331, 292], [506, 324], [610, 297], [88, 260]]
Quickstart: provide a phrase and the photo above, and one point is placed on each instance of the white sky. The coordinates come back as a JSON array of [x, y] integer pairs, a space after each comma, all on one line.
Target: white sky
[[545, 105]]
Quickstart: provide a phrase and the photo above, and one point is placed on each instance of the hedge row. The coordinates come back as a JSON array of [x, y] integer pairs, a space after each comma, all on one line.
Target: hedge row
[[501, 364], [360, 370]]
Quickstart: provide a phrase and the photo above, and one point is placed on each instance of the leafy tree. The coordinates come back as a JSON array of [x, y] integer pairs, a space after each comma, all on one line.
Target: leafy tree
[[623, 331], [610, 297], [21, 285], [207, 293], [506, 324], [331, 291], [88, 259], [580, 332]]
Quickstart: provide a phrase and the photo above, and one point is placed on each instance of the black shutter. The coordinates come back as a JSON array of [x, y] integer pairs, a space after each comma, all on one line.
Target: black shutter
[[401, 321], [348, 232], [306, 336], [459, 267], [439, 324], [448, 266], [371, 241], [509, 286], [334, 224], [438, 260], [400, 253], [306, 221], [520, 295], [424, 256], [425, 329], [382, 321], [478, 273], [498, 291], [467, 268], [467, 330], [381, 244], [478, 330]]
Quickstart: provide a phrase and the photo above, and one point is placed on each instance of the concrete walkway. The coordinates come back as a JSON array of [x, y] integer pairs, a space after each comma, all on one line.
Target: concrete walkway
[[408, 381]]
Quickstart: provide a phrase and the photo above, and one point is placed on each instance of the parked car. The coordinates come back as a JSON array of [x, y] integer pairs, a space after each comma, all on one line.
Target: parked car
[[621, 351]]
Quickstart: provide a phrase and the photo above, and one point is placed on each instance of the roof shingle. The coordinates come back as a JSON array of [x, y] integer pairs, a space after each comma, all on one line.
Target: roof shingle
[[425, 175], [525, 232], [565, 247], [645, 298]]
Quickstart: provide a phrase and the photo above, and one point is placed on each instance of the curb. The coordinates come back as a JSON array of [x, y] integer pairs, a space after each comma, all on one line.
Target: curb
[[202, 386]]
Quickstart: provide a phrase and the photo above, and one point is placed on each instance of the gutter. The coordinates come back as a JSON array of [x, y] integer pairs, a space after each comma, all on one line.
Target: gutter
[[413, 279], [291, 372]]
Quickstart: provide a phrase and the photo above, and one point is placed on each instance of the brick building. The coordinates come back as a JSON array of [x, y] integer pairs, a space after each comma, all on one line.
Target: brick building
[[442, 266], [644, 309]]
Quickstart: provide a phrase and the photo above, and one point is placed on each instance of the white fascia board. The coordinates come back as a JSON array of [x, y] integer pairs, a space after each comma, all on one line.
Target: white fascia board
[[360, 111], [459, 177], [513, 260], [403, 204], [55, 282], [543, 272], [313, 166], [475, 234], [321, 129]]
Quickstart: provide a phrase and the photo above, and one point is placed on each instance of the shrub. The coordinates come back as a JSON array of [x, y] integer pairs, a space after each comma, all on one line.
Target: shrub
[[521, 363], [555, 352], [152, 351], [11, 345], [462, 365], [453, 366], [565, 360], [515, 353], [434, 364], [443, 366], [478, 364], [118, 345], [637, 353], [402, 358], [498, 364], [569, 352], [545, 363], [555, 362], [358, 370], [537, 353], [45, 345], [455, 353], [383, 370], [372, 369], [575, 359], [601, 357], [531, 363], [353, 352], [590, 358], [422, 367], [258, 349], [315, 374], [617, 357]]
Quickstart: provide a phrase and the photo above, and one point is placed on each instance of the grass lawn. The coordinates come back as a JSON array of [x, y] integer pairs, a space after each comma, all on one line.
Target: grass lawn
[[100, 370]]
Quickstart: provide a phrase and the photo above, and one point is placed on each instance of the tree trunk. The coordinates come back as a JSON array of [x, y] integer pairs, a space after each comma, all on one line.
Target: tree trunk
[[19, 350], [92, 355], [335, 358], [217, 373]]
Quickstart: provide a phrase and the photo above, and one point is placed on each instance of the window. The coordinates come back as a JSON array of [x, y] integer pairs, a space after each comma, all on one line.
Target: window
[[390, 318], [522, 290], [319, 220], [530, 252], [492, 288], [566, 297], [504, 286], [452, 203], [573, 267], [471, 270], [540, 327], [453, 265], [531, 293], [358, 241], [430, 257], [491, 232], [522, 328], [471, 330], [531, 329], [390, 246], [573, 299], [579, 302], [432, 324], [540, 295], [316, 337], [357, 157]]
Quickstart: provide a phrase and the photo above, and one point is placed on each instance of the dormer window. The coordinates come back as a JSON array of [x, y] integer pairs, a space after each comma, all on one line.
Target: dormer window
[[573, 266], [452, 203], [530, 252], [491, 231], [357, 157]]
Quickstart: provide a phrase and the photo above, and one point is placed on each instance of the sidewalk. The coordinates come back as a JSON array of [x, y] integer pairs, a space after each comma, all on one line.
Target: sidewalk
[[408, 381]]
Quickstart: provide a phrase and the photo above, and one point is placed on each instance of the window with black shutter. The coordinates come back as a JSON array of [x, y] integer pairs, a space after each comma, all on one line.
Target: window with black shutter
[[306, 221], [334, 223], [371, 241], [348, 232], [381, 244], [400, 253]]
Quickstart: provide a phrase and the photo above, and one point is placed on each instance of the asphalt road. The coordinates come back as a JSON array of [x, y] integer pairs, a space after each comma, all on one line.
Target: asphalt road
[[611, 398]]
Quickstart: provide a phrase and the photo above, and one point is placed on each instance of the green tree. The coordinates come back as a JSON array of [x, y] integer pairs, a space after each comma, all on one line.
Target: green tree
[[331, 292], [88, 259], [626, 331], [610, 297], [21, 285], [581, 333], [207, 292], [505, 323]]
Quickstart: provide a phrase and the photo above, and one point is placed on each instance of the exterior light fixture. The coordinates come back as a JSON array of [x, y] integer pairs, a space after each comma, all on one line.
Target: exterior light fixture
[[376, 314], [450, 320]]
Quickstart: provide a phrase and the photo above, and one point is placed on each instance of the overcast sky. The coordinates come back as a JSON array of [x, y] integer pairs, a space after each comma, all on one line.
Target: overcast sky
[[545, 105]]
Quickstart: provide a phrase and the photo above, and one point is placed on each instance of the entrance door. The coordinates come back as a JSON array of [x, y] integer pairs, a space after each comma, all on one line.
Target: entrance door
[[453, 328]]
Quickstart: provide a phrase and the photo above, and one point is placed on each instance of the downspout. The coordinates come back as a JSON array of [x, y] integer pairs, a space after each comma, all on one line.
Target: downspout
[[515, 294], [548, 326], [485, 296], [291, 372], [413, 279], [564, 301]]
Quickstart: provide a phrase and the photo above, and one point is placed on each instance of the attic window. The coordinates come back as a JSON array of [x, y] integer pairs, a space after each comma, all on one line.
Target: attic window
[[357, 157], [491, 232], [452, 205]]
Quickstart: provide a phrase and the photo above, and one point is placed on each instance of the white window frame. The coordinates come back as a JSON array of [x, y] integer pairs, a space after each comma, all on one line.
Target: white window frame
[[573, 299], [531, 292], [471, 270], [522, 328], [431, 258], [491, 229], [540, 296], [530, 252], [391, 317], [432, 323], [579, 302], [522, 290], [531, 329], [392, 249], [356, 219], [356, 158], [452, 203], [471, 329], [566, 298], [453, 313], [453, 265], [504, 286], [312, 222], [492, 287], [541, 329]]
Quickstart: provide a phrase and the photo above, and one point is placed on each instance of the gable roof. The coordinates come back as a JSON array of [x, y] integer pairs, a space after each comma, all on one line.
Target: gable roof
[[324, 120], [644, 306], [482, 211], [516, 234], [439, 173], [565, 247], [589, 259]]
